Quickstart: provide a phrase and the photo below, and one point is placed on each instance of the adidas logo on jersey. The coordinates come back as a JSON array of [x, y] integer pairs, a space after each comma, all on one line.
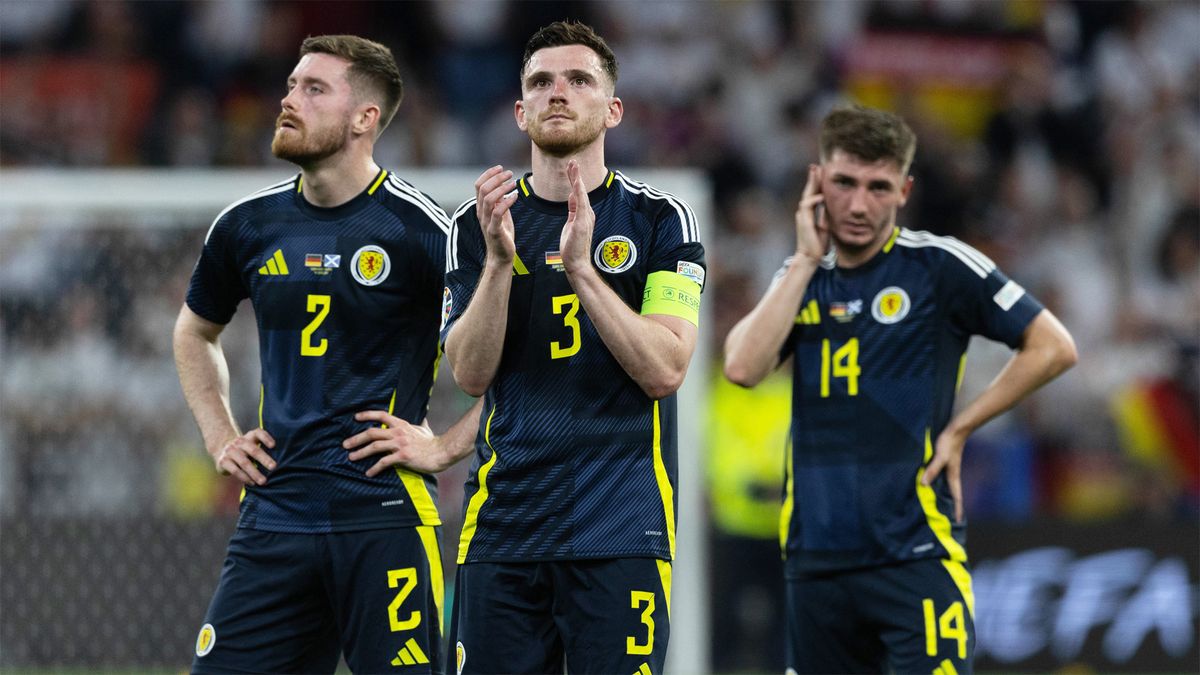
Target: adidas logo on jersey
[[275, 265], [410, 654], [810, 314]]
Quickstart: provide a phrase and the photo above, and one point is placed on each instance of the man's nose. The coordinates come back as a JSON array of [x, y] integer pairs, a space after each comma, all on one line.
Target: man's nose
[[559, 92], [288, 102], [858, 201]]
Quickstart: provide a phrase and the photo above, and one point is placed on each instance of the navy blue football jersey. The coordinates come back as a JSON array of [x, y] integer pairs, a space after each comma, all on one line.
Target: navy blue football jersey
[[878, 355], [572, 459], [347, 304]]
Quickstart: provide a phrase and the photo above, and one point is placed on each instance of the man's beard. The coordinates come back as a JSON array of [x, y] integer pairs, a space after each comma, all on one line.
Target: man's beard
[[562, 143], [856, 246], [305, 147]]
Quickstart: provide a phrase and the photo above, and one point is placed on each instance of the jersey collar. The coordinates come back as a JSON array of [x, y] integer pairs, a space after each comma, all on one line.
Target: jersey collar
[[342, 210], [526, 194], [875, 260]]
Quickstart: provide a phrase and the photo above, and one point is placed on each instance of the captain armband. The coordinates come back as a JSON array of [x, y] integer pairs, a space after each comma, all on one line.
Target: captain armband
[[673, 294]]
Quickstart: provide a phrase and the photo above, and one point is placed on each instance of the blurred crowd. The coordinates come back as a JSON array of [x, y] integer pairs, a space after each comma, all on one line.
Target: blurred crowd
[[1060, 138]]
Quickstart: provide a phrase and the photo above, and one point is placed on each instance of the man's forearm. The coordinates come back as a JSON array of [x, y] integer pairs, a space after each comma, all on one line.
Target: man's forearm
[[655, 356], [476, 342], [204, 377], [1047, 352], [459, 439], [752, 347]]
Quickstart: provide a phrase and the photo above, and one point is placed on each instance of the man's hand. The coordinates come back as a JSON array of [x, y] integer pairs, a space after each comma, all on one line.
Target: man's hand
[[237, 457], [947, 454], [576, 241], [812, 229], [495, 193], [411, 446]]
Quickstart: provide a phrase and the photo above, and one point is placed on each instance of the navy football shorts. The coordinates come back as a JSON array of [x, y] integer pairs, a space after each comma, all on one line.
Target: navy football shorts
[[291, 603], [911, 617], [584, 616]]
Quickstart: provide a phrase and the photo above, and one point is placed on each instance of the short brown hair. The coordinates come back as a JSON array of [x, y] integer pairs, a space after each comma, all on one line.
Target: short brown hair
[[563, 33], [372, 69], [868, 134]]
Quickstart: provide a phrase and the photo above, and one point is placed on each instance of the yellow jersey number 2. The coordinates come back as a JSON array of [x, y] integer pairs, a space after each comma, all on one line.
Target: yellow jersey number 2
[[320, 305]]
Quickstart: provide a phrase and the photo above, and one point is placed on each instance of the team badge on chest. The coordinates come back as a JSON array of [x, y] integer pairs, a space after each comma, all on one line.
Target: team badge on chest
[[890, 305], [615, 254], [370, 265], [205, 640]]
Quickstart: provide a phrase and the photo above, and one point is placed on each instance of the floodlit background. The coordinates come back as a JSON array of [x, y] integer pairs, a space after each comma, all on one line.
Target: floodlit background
[[1060, 138]]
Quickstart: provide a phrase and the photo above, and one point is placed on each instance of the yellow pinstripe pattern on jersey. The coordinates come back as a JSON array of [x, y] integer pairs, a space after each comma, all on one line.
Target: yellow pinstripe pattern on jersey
[[471, 518], [887, 248], [436, 577], [378, 182], [664, 483], [415, 484], [664, 573], [962, 579], [938, 521], [785, 513]]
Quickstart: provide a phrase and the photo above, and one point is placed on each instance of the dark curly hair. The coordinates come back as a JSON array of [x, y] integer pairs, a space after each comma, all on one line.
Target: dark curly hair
[[562, 33], [868, 134]]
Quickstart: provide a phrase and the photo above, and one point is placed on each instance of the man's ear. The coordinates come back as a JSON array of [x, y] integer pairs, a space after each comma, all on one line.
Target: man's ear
[[366, 119], [616, 111], [905, 190], [519, 114]]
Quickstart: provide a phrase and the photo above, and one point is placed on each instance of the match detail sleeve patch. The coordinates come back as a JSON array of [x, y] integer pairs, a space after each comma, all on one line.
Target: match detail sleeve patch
[[672, 294], [1008, 295], [691, 270]]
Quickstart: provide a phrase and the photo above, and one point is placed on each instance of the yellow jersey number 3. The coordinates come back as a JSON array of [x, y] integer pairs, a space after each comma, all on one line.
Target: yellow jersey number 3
[[568, 306]]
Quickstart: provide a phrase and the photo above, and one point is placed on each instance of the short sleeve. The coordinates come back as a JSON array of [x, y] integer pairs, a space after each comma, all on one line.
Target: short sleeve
[[982, 300], [432, 240], [677, 246], [464, 263], [217, 286], [805, 314]]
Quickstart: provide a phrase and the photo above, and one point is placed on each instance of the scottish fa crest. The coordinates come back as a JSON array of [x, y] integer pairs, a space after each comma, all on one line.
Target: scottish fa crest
[[890, 305], [615, 254], [370, 265]]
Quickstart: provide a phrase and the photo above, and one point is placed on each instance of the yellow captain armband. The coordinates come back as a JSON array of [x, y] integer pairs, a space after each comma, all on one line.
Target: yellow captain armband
[[673, 294]]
